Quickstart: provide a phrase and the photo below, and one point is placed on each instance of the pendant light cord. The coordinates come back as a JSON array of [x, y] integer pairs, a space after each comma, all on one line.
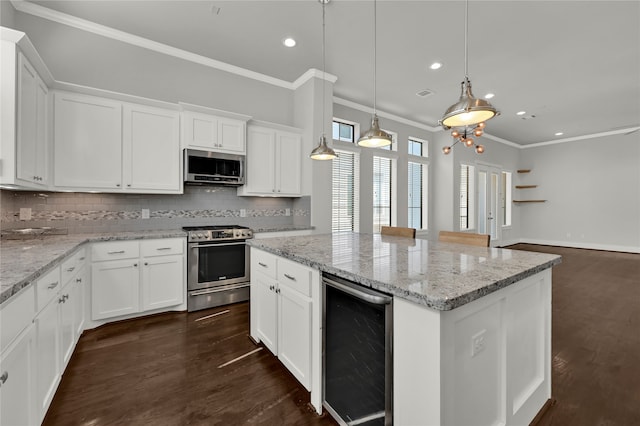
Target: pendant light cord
[[466, 39], [375, 59], [324, 77]]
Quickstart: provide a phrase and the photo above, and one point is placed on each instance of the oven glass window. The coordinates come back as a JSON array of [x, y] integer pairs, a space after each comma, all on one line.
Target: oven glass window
[[222, 262]]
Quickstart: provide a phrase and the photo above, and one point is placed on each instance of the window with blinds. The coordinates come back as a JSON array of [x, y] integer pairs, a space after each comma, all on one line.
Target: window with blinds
[[345, 190], [382, 168], [466, 196], [417, 195]]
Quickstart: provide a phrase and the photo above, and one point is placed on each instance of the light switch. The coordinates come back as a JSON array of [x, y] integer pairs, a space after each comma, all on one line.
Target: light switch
[[145, 213]]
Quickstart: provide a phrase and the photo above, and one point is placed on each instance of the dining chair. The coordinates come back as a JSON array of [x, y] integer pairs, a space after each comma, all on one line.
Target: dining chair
[[398, 231], [481, 240]]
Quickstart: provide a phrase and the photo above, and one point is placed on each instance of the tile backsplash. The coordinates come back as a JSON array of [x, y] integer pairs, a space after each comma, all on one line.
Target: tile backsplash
[[199, 205]]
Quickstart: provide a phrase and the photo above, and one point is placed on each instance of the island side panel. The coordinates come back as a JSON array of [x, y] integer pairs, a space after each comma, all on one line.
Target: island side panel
[[416, 364], [486, 362]]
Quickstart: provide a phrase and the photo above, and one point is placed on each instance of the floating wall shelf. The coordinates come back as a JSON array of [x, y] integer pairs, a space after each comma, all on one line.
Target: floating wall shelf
[[527, 187]]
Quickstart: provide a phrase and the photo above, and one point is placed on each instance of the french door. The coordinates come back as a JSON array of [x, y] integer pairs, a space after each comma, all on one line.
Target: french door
[[489, 210]]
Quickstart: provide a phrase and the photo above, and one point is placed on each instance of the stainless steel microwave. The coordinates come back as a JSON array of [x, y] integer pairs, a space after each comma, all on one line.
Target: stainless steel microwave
[[213, 168]]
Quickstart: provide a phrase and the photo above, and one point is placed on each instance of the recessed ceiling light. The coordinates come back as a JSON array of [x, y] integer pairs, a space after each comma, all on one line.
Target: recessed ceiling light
[[436, 65], [521, 112], [559, 133], [489, 95], [289, 42]]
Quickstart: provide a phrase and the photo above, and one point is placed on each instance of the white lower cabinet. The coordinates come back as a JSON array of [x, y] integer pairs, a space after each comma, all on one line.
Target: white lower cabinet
[[17, 352], [17, 384], [48, 355], [147, 275], [283, 311]]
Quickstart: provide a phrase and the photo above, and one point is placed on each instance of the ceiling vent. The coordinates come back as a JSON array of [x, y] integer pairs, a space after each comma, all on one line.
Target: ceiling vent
[[425, 93]]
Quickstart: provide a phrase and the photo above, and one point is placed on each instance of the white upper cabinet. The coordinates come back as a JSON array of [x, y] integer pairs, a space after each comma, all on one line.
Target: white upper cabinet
[[115, 146], [87, 142], [204, 130], [24, 142], [32, 147], [151, 143], [273, 163]]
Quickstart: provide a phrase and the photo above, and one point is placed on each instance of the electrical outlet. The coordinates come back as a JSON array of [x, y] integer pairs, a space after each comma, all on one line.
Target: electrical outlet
[[25, 213], [477, 343], [243, 212], [145, 213], [287, 212]]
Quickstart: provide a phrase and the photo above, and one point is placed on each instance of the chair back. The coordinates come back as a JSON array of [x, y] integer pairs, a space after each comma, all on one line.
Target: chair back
[[481, 240], [398, 231]]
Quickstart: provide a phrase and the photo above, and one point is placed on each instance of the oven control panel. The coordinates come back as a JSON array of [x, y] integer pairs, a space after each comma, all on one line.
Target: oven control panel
[[219, 234]]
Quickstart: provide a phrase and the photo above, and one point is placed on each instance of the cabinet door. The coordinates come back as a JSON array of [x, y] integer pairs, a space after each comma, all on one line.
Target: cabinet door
[[67, 298], [26, 167], [260, 161], [200, 131], [288, 164], [114, 288], [151, 140], [267, 301], [162, 281], [17, 383], [87, 142], [42, 147], [231, 135], [294, 334], [81, 282], [47, 358]]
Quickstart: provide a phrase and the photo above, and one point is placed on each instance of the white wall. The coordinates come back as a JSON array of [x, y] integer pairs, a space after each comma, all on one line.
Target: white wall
[[593, 192]]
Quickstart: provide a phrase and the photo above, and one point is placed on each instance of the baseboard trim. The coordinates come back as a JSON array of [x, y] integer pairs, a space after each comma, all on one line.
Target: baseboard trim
[[570, 244], [547, 405]]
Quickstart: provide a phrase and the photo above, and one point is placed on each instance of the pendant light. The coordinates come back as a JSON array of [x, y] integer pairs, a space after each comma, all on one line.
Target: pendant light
[[469, 110], [323, 151], [374, 137]]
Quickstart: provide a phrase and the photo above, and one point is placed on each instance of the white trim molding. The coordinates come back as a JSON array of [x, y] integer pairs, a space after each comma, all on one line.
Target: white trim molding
[[583, 137], [573, 244]]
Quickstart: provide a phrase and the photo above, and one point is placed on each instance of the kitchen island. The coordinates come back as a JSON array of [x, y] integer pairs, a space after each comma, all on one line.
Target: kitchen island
[[471, 325]]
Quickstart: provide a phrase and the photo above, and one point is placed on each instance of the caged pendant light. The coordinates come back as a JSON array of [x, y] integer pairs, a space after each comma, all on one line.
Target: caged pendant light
[[375, 137], [468, 111], [323, 151]]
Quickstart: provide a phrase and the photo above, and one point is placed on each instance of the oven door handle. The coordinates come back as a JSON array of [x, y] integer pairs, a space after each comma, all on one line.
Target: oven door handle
[[217, 290], [359, 292], [196, 246]]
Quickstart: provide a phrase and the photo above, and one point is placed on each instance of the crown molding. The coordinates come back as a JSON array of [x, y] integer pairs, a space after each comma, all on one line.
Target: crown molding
[[313, 73], [583, 137], [363, 108], [102, 30]]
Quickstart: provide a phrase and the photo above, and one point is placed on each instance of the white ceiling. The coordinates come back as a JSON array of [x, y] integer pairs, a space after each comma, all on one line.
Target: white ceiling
[[574, 65]]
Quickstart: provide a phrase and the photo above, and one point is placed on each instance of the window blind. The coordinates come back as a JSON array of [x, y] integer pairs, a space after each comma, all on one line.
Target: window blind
[[381, 193], [345, 190], [415, 195], [466, 188]]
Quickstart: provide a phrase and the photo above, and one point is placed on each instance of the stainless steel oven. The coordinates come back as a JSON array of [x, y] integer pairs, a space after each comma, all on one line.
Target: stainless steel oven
[[217, 266]]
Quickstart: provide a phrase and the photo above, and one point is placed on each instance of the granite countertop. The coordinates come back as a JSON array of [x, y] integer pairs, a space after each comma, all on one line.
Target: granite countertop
[[283, 228], [23, 261], [442, 276]]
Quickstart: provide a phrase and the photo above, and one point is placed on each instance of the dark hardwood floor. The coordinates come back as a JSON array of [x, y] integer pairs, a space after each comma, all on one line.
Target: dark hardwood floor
[[168, 370], [164, 369], [595, 338]]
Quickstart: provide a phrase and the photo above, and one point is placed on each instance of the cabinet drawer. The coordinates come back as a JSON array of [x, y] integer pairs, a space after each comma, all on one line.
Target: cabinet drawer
[[295, 276], [16, 316], [115, 250], [47, 287], [263, 262], [161, 247], [72, 265]]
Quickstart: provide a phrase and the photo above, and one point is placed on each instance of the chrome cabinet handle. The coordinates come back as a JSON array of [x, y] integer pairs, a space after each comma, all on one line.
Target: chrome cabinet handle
[[290, 277], [78, 280], [262, 264], [82, 258], [116, 252], [61, 300], [71, 269], [271, 287], [163, 248], [278, 290], [4, 377], [52, 285], [135, 264], [118, 185], [146, 263], [129, 185]]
